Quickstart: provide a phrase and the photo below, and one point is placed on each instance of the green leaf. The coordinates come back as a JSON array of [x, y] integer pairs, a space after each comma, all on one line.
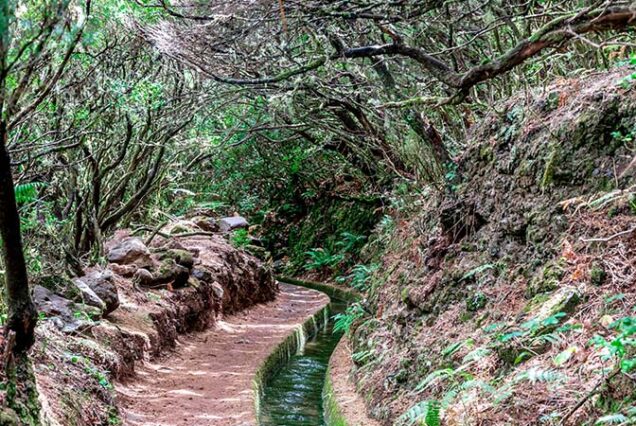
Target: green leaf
[[564, 356]]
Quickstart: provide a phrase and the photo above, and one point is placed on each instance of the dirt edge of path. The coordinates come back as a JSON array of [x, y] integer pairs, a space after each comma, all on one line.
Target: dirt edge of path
[[344, 406]]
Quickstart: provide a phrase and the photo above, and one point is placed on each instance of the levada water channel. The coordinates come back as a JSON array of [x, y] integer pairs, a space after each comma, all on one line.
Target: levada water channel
[[292, 394]]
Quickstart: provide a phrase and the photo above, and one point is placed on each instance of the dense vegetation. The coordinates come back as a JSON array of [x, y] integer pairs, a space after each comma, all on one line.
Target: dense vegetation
[[334, 127]]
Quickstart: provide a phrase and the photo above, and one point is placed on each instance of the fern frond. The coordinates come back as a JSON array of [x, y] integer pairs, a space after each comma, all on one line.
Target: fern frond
[[476, 355], [426, 413], [434, 377], [535, 375], [612, 419], [27, 192]]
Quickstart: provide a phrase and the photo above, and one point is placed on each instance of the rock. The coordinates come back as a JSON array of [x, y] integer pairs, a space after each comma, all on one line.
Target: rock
[[207, 224], [89, 297], [61, 286], [75, 290], [125, 271], [563, 300], [180, 257], [218, 290], [181, 228], [182, 274], [9, 417], [143, 277], [63, 313], [233, 222], [101, 283], [169, 272], [202, 274], [130, 251]]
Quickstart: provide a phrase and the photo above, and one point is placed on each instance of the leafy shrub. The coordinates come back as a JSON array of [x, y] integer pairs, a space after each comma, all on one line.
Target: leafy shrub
[[320, 258], [621, 346]]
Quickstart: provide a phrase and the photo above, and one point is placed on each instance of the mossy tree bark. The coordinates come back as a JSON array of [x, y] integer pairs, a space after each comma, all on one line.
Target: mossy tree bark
[[22, 316], [21, 312]]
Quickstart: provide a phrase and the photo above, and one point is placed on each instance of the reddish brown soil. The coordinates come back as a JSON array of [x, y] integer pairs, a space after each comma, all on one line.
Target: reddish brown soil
[[208, 380], [350, 403]]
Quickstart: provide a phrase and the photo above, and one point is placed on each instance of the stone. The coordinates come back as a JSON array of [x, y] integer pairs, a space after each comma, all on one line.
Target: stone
[[101, 283], [125, 271], [206, 223], [180, 257], [61, 286], [88, 295], [181, 228], [63, 313], [130, 250], [143, 277], [202, 274], [218, 290], [233, 222]]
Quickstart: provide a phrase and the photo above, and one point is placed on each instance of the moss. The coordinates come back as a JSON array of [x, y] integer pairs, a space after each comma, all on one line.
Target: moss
[[180, 257], [401, 376], [8, 417], [180, 229], [476, 302], [550, 167], [21, 393], [597, 274], [548, 280], [466, 316], [404, 295], [613, 212], [486, 152], [536, 301], [332, 413]]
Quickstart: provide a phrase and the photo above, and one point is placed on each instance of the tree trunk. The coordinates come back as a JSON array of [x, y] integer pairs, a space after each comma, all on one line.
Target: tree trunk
[[21, 312]]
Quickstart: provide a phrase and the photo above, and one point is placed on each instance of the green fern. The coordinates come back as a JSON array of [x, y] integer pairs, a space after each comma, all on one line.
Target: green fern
[[536, 375], [27, 192], [434, 377], [425, 413], [476, 355], [612, 419]]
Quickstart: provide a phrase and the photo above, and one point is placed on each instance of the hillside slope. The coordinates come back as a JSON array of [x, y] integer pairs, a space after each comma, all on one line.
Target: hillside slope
[[501, 302]]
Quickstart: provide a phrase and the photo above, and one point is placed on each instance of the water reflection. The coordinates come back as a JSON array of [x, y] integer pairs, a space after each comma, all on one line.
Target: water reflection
[[293, 397]]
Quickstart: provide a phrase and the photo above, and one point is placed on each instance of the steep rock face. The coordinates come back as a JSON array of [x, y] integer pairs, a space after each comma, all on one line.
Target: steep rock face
[[193, 281], [479, 288]]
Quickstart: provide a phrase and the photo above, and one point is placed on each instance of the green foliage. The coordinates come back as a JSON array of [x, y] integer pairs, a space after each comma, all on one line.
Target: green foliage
[[344, 321], [538, 375], [320, 258], [627, 417], [240, 238], [532, 328], [424, 413], [622, 345], [350, 242], [27, 192], [359, 276], [347, 246]]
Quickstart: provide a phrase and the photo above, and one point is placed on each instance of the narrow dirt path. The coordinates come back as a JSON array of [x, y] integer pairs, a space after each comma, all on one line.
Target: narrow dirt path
[[208, 380]]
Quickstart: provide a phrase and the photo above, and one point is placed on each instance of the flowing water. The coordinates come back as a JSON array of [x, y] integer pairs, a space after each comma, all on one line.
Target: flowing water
[[293, 397]]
